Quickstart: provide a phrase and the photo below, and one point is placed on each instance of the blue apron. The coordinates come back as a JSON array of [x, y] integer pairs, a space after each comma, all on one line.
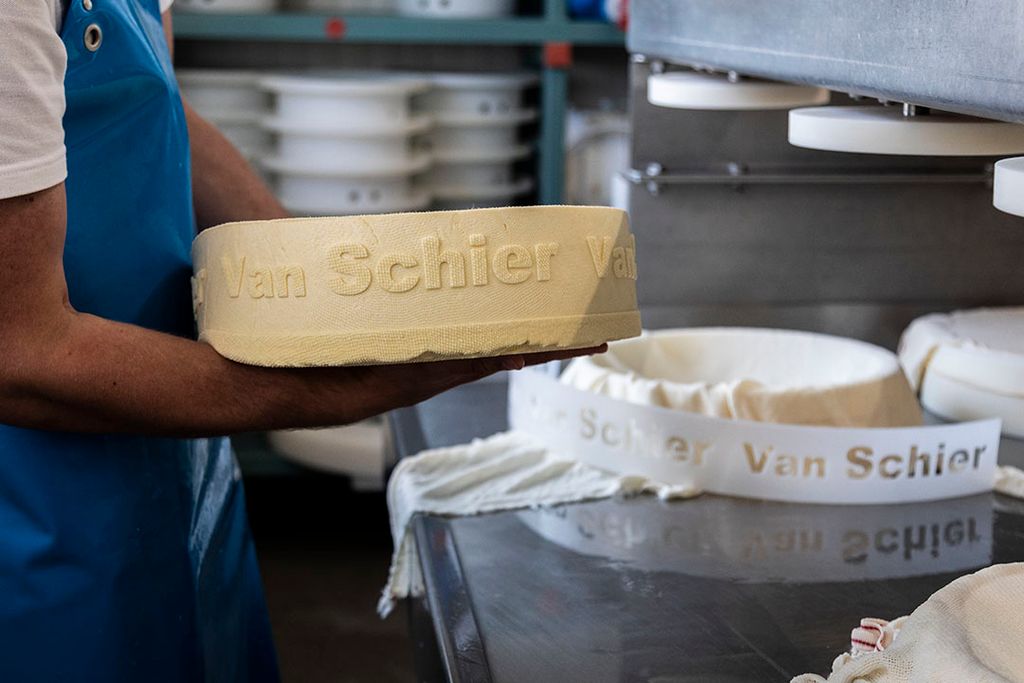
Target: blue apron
[[126, 558]]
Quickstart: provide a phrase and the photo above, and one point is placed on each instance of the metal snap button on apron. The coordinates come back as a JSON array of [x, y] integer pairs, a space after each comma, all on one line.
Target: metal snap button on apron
[[87, 4], [93, 37]]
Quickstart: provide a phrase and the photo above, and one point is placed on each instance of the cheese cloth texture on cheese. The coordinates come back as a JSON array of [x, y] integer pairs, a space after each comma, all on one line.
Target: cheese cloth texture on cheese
[[970, 631]]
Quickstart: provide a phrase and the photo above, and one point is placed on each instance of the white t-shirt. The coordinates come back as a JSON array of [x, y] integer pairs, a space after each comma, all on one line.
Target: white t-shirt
[[32, 65]]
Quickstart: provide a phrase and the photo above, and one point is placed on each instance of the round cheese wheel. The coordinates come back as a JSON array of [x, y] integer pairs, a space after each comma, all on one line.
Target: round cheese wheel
[[755, 374], [408, 287], [884, 130], [702, 91]]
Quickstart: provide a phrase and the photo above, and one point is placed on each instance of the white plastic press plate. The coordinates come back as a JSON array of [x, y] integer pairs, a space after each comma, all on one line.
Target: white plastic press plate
[[1008, 191], [885, 130], [692, 90]]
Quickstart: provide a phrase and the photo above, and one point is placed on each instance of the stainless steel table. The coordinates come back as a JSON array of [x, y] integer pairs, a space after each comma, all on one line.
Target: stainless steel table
[[712, 589]]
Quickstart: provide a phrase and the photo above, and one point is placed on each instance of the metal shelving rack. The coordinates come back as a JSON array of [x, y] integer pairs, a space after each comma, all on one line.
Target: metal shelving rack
[[553, 34]]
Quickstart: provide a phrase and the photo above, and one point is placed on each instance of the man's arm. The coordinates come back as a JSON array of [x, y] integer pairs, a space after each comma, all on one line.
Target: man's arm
[[68, 371]]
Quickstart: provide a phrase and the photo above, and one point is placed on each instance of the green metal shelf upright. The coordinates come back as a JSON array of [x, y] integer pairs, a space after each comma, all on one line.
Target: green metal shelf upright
[[554, 34]]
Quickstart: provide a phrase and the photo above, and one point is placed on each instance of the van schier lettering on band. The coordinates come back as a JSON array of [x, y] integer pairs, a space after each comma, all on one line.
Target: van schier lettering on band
[[757, 460]]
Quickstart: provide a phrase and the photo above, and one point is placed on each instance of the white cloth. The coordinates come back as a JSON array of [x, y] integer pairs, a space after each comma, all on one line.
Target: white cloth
[[32, 65], [504, 472], [970, 630]]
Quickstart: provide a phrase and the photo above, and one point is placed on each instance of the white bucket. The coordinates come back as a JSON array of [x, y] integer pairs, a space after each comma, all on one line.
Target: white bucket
[[477, 169], [302, 146], [468, 197], [416, 199], [346, 102], [216, 93], [369, 6], [462, 9], [478, 134], [329, 193], [227, 6], [485, 95]]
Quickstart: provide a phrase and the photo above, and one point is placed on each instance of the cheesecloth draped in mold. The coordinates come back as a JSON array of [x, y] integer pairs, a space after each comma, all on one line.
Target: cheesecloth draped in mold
[[755, 374]]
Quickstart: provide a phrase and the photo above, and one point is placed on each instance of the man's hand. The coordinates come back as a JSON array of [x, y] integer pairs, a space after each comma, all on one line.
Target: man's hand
[[65, 370], [397, 386]]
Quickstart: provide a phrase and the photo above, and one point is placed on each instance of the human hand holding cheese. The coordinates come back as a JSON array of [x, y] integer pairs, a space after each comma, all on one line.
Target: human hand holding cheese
[[70, 371]]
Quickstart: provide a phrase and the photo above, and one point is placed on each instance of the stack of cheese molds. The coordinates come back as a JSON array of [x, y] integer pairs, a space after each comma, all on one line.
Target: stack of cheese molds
[[969, 365], [226, 6], [348, 144], [476, 140], [415, 287], [457, 9], [233, 102]]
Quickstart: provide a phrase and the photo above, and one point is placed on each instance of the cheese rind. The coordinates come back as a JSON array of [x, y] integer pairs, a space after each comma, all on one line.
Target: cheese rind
[[415, 287], [755, 374]]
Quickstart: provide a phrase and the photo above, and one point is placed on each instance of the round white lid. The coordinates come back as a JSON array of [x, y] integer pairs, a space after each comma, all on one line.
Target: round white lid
[[693, 90], [1008, 189], [885, 130]]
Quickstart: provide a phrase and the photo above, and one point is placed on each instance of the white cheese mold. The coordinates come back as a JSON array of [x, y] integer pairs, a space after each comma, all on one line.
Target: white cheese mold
[[885, 130], [705, 91], [969, 364], [764, 375], [226, 6], [457, 9]]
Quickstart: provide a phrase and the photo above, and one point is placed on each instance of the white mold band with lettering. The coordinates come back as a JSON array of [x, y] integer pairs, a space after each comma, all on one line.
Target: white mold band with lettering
[[715, 92], [885, 130], [399, 288], [762, 375], [1008, 186]]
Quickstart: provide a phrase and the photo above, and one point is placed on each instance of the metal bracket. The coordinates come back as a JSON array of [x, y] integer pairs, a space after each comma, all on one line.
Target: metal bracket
[[738, 174]]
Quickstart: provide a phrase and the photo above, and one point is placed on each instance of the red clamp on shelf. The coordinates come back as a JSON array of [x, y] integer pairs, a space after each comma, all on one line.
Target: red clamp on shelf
[[557, 55], [334, 28]]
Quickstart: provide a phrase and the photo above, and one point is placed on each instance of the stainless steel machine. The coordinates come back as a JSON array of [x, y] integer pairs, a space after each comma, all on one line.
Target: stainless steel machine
[[737, 227]]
